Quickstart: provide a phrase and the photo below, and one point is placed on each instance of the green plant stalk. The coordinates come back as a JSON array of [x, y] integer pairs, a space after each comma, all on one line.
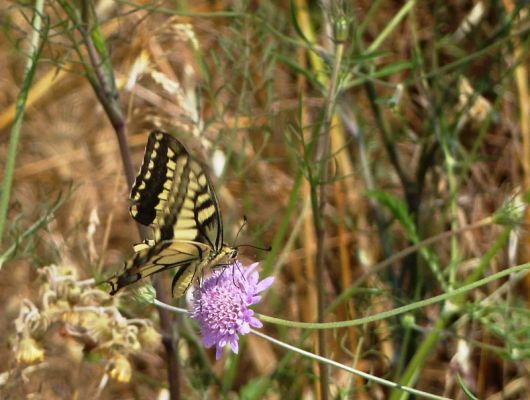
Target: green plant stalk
[[414, 366], [411, 189], [14, 137], [404, 350], [41, 222], [293, 349], [317, 199], [411, 374], [410, 337], [347, 294], [388, 142], [230, 372], [368, 18], [373, 378], [392, 25], [456, 293], [449, 162], [492, 251]]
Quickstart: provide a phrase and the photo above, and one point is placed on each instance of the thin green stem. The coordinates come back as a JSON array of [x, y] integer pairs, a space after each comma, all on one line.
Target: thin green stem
[[376, 268], [492, 251], [41, 222], [327, 361], [391, 25], [375, 6], [423, 351], [354, 371], [400, 310], [450, 162], [14, 137]]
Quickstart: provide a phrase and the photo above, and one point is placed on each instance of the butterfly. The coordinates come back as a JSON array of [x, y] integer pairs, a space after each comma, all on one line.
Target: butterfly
[[174, 196]]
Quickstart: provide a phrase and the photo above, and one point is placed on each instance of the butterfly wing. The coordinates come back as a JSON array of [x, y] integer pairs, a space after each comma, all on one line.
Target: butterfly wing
[[153, 183], [194, 215], [150, 258], [173, 194]]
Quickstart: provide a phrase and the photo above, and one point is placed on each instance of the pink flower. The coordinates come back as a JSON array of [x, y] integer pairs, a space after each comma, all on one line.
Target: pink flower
[[221, 305]]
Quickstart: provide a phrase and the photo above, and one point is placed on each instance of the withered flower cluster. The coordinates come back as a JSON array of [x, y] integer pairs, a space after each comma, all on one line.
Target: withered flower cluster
[[85, 313]]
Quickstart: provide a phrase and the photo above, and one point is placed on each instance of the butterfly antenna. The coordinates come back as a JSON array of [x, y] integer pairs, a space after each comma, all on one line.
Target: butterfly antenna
[[268, 248], [245, 221]]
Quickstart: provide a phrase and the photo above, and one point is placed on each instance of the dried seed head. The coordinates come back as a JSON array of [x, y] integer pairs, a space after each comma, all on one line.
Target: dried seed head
[[149, 338], [28, 351], [120, 368]]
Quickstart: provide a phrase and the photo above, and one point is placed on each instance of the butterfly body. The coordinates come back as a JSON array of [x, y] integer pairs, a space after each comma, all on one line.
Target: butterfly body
[[173, 195]]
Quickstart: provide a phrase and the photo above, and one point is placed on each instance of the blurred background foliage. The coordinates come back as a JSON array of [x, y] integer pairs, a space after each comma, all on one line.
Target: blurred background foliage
[[429, 161]]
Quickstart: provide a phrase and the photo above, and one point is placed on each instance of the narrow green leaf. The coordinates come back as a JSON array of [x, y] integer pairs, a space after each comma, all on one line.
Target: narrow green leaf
[[398, 209], [296, 25], [465, 388]]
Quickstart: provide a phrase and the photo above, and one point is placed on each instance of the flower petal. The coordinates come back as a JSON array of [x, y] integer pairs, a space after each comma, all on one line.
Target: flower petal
[[244, 329], [256, 323], [264, 284], [218, 352], [234, 344]]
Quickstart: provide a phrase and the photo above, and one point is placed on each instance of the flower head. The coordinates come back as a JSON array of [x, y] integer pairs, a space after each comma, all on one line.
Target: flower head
[[221, 305]]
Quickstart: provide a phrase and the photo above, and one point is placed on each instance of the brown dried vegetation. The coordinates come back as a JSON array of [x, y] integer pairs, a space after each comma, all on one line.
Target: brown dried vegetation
[[225, 83]]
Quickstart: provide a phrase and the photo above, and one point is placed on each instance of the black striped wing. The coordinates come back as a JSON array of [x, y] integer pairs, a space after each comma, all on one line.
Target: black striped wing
[[173, 194], [150, 258]]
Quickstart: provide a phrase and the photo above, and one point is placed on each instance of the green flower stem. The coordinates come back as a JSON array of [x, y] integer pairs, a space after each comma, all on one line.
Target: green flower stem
[[391, 313], [400, 310], [165, 306], [14, 137], [391, 25], [380, 316], [354, 371], [450, 164], [500, 242]]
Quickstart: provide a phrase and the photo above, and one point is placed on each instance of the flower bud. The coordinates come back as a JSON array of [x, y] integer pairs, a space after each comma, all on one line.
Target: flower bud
[[340, 30]]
